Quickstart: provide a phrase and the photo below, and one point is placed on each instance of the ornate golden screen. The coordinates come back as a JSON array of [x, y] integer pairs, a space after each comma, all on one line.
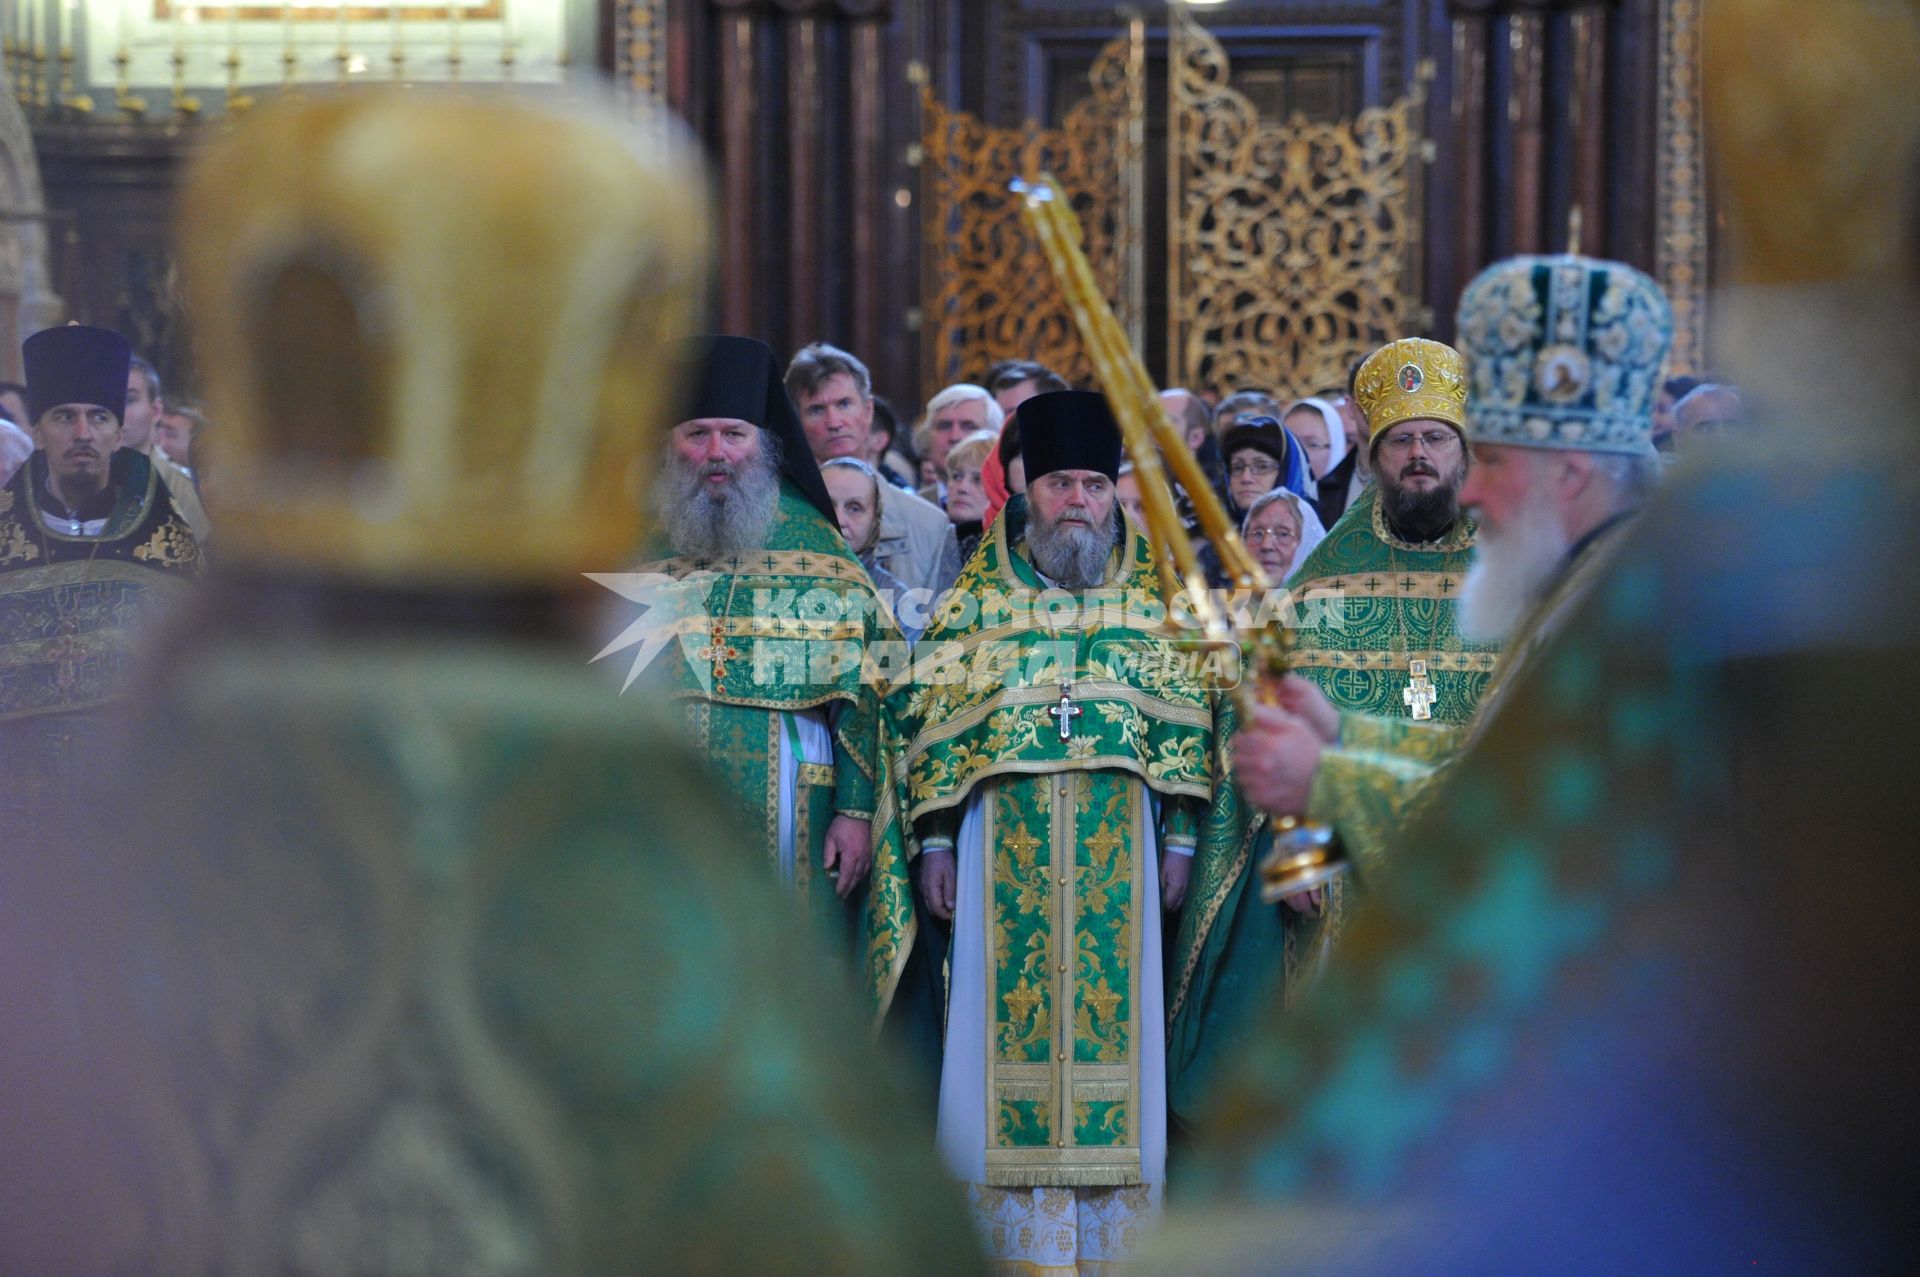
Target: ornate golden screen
[[1291, 247], [988, 293]]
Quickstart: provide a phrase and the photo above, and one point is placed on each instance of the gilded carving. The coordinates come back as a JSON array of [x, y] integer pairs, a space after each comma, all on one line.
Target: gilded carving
[[1290, 243], [1680, 261], [989, 294]]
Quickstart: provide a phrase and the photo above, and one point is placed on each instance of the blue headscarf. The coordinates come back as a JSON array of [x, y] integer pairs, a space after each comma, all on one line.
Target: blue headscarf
[[1274, 439]]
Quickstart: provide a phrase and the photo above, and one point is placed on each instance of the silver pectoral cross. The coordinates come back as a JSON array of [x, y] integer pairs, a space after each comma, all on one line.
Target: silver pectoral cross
[[1065, 711], [1420, 694]]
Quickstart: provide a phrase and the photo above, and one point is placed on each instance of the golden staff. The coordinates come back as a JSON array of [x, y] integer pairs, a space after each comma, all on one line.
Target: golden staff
[[1304, 855]]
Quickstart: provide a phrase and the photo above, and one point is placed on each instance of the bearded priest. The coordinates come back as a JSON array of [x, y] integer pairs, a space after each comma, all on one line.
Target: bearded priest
[[1391, 569], [1056, 757], [777, 622]]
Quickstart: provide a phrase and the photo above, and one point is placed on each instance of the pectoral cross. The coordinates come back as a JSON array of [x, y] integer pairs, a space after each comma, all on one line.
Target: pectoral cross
[[1066, 711], [1420, 694]]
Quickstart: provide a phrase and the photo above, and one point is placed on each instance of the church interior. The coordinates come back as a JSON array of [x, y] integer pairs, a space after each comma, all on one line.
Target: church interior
[[1018, 637]]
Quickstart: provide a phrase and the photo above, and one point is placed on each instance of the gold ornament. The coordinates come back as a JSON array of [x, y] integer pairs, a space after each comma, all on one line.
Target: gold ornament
[[1291, 244], [1411, 379], [435, 329], [988, 292]]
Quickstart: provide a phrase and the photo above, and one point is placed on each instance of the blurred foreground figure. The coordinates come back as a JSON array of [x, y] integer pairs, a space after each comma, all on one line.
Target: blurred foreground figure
[[420, 955], [1637, 998]]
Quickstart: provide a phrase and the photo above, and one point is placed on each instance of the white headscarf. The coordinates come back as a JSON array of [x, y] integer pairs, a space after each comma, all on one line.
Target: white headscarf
[[1336, 430], [1312, 532]]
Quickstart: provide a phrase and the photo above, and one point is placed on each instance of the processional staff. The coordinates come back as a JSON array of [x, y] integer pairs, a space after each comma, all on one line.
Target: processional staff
[[1304, 855]]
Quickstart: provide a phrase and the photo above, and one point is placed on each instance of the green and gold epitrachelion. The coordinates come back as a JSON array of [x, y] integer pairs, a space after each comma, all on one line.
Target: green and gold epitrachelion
[[789, 628]]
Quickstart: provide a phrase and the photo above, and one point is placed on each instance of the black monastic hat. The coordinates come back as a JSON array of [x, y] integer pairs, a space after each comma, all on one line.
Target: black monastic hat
[[739, 377], [76, 364], [1069, 430]]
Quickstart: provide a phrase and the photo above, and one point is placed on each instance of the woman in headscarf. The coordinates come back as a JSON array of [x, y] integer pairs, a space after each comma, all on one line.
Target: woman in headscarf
[[858, 497], [1281, 529], [1261, 455], [1322, 433]]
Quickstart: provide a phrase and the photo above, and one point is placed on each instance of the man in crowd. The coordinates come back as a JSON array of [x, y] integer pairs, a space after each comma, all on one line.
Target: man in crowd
[[953, 414], [1050, 800], [1195, 419], [90, 543], [1707, 412], [144, 408], [1378, 597], [834, 393], [1341, 486], [174, 432], [1229, 412], [1672, 391], [1016, 381], [788, 723]]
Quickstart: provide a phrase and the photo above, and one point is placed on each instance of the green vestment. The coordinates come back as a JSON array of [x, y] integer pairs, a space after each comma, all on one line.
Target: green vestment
[[1369, 602], [1063, 813], [431, 954], [764, 636], [72, 609]]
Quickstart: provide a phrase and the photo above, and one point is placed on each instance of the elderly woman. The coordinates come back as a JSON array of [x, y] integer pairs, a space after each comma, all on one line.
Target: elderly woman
[[966, 491], [858, 495], [1281, 530]]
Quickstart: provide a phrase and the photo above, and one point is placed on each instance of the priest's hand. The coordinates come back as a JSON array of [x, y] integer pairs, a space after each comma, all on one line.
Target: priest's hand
[[1303, 699], [1305, 902], [1174, 871], [937, 881], [1275, 756], [850, 850]]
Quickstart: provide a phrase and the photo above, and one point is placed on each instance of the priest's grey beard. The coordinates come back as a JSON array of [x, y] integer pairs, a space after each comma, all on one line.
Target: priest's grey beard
[[1421, 516], [705, 524], [1513, 568], [1070, 552]]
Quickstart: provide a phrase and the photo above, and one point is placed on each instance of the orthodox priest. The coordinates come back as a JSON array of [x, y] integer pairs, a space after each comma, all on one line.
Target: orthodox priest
[[776, 618], [1056, 758], [1379, 594], [90, 544]]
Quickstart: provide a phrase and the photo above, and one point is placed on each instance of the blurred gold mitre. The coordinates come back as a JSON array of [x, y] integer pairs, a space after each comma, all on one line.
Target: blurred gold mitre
[[438, 331]]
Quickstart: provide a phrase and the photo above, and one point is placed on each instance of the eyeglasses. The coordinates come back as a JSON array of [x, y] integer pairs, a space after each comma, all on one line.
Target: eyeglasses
[[1260, 536], [1258, 469], [1431, 440]]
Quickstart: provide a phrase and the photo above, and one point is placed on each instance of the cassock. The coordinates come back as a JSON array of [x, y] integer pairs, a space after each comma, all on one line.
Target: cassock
[[1059, 751]]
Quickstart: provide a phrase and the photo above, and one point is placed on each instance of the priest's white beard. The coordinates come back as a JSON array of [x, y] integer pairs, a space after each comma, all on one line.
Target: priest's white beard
[[1070, 550], [1513, 567], [707, 524]]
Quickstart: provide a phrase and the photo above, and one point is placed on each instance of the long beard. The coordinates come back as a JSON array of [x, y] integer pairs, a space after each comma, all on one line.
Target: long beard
[[1513, 568], [706, 524], [1073, 554], [1421, 516]]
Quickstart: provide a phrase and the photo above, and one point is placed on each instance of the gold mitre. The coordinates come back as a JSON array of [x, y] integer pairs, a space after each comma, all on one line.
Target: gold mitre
[[1409, 380], [438, 331]]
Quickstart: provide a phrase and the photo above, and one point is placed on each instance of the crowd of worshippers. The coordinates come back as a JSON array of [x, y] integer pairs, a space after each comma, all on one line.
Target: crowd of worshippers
[[991, 847]]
